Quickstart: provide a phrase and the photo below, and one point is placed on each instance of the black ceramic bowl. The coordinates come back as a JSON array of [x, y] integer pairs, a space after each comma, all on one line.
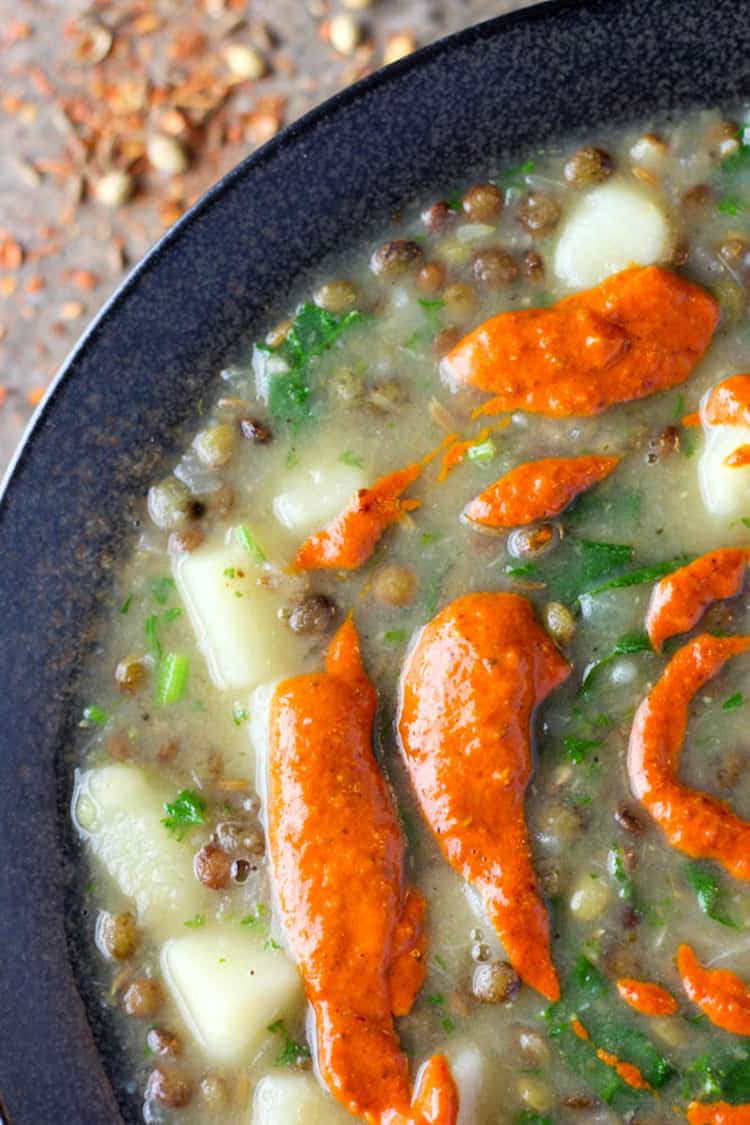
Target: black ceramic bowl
[[118, 409]]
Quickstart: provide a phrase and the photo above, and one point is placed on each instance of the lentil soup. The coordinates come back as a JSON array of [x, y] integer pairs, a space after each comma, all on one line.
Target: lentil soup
[[412, 769]]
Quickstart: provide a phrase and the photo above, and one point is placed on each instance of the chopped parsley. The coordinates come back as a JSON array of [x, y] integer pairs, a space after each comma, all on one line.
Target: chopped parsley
[[251, 544], [729, 205], [395, 636], [313, 332], [95, 714], [229, 572], [617, 867], [292, 1053], [482, 453], [628, 644], [733, 702], [257, 919], [151, 625], [642, 575], [196, 922], [708, 892], [187, 810], [161, 590], [126, 604], [349, 458], [239, 715], [578, 749], [271, 946], [523, 570]]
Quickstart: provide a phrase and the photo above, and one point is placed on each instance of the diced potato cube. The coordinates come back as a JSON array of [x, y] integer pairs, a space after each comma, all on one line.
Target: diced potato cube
[[611, 228], [119, 810], [470, 1069], [229, 988], [314, 494], [236, 619], [725, 490], [295, 1099]]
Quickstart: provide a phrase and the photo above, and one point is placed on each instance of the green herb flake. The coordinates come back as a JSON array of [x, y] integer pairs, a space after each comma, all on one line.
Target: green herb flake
[[578, 749], [239, 715], [679, 408], [395, 636], [196, 922], [436, 999], [126, 604], [271, 946], [628, 645], [728, 205], [349, 458], [440, 962], [436, 303], [172, 678], [617, 867], [255, 920], [250, 544], [523, 570], [187, 810], [640, 577], [95, 714], [151, 626], [448, 1024], [745, 521], [229, 572], [161, 590], [172, 614], [708, 892], [733, 702], [688, 443], [292, 1053], [482, 453]]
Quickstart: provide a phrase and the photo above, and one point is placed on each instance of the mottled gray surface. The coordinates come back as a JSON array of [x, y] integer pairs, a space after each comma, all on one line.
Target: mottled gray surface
[[564, 68]]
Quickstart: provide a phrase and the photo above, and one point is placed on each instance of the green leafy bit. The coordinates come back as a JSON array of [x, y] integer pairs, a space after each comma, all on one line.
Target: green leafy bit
[[436, 303], [745, 521], [515, 177], [523, 570], [432, 326], [126, 604], [641, 576], [187, 810], [95, 714], [733, 702], [618, 869], [292, 1052], [313, 332], [688, 443], [708, 892], [161, 590], [440, 962], [172, 614], [271, 946], [246, 539], [679, 408], [172, 678], [395, 636], [349, 458], [729, 205], [721, 1076], [151, 625], [239, 715], [256, 920], [448, 1024], [436, 999], [229, 572], [578, 749], [528, 1117], [602, 558], [196, 922], [628, 645], [482, 453]]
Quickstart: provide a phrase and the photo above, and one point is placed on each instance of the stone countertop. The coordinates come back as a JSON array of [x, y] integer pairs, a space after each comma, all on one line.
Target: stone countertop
[[116, 117]]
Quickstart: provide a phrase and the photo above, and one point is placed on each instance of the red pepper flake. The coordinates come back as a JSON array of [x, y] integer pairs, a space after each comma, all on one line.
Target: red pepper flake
[[84, 279], [35, 395], [35, 284], [3, 394], [16, 32], [71, 310], [11, 252]]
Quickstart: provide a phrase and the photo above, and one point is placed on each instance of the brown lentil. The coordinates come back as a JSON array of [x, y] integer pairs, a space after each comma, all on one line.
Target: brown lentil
[[171, 1087], [394, 585], [431, 277], [539, 213], [336, 296], [314, 614], [395, 257], [164, 1043], [459, 301], [186, 540], [588, 166], [494, 268], [212, 867], [627, 819], [482, 203], [130, 673], [143, 997], [495, 982], [438, 216], [118, 935]]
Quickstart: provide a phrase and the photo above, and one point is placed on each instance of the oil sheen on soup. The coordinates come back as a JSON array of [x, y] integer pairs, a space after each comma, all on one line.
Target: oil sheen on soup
[[412, 771]]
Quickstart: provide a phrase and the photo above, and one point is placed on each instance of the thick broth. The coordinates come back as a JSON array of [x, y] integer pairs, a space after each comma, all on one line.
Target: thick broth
[[619, 894]]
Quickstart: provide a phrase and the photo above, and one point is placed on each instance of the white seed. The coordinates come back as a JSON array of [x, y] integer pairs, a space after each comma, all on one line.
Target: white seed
[[166, 154], [649, 151], [244, 61], [114, 188], [589, 898], [535, 1093], [345, 34]]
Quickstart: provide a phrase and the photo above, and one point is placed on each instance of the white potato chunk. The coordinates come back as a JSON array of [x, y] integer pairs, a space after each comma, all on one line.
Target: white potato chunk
[[229, 988], [295, 1099], [725, 491], [611, 228], [236, 620], [119, 810], [313, 494], [470, 1070]]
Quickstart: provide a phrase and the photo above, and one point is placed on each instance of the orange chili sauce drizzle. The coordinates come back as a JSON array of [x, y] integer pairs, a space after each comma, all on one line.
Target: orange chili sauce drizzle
[[646, 997], [627, 1071], [349, 540], [537, 490], [718, 1113], [694, 822], [720, 994], [639, 332], [338, 861], [679, 599], [468, 691]]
